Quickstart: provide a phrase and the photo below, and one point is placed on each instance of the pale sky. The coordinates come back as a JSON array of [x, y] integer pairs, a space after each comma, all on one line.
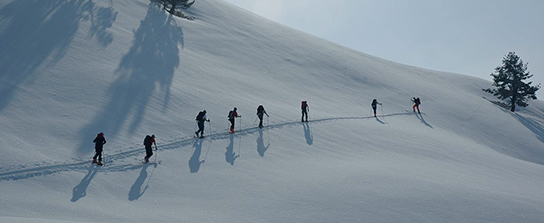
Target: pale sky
[[461, 36]]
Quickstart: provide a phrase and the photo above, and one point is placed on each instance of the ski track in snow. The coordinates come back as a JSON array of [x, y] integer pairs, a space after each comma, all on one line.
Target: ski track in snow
[[124, 160]]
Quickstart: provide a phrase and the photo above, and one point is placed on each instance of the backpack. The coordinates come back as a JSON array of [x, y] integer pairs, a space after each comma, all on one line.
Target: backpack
[[200, 116], [147, 140], [231, 115], [304, 105]]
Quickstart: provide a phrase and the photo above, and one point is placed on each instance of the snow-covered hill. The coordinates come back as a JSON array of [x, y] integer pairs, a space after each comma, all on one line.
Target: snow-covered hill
[[71, 69]]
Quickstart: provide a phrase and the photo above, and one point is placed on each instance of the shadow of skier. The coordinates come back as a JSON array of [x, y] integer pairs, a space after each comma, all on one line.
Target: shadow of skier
[[308, 133], [420, 117], [194, 161], [80, 190], [230, 155], [136, 190], [261, 148]]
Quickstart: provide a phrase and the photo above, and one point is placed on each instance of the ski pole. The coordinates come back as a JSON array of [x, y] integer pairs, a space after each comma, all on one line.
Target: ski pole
[[381, 108], [156, 153], [255, 120], [267, 127]]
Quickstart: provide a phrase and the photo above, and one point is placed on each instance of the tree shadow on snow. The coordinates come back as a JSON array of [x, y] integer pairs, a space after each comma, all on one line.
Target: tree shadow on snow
[[36, 33], [534, 126], [147, 67], [534, 155], [80, 190]]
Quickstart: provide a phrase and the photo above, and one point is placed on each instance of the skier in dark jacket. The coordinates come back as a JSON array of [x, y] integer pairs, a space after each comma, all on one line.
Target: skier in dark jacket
[[201, 118], [98, 147], [417, 102], [305, 108], [148, 142], [375, 104], [260, 113], [232, 115]]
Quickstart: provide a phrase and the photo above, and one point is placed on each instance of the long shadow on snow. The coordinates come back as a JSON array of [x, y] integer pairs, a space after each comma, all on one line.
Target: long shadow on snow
[[80, 190], [261, 148], [535, 155], [148, 65], [37, 32], [136, 190], [308, 134], [534, 126], [123, 160], [194, 161]]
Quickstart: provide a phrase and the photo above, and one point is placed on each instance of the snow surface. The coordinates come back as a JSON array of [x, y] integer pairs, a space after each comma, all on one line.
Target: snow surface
[[71, 69]]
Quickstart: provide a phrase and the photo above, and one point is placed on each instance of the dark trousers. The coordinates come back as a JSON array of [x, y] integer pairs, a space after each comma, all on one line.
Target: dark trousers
[[260, 120], [98, 154], [200, 128], [304, 113], [148, 152], [231, 123]]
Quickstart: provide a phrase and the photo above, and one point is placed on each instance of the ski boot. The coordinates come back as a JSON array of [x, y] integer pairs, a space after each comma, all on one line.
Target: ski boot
[[100, 163], [94, 160]]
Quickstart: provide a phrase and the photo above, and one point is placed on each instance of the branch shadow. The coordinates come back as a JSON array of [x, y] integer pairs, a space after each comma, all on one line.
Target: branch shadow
[[36, 33], [80, 190], [149, 65], [101, 20], [534, 126]]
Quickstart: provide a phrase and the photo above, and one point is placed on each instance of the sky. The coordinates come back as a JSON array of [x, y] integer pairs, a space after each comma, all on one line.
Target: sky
[[461, 36]]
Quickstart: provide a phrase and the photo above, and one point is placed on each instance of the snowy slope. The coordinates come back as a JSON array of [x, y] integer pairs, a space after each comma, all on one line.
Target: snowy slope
[[71, 69]]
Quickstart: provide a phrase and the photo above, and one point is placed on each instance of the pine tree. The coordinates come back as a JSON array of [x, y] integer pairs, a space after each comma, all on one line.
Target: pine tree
[[509, 80]]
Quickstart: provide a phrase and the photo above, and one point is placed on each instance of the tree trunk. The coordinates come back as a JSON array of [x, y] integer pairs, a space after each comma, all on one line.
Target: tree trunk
[[173, 9], [513, 104]]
